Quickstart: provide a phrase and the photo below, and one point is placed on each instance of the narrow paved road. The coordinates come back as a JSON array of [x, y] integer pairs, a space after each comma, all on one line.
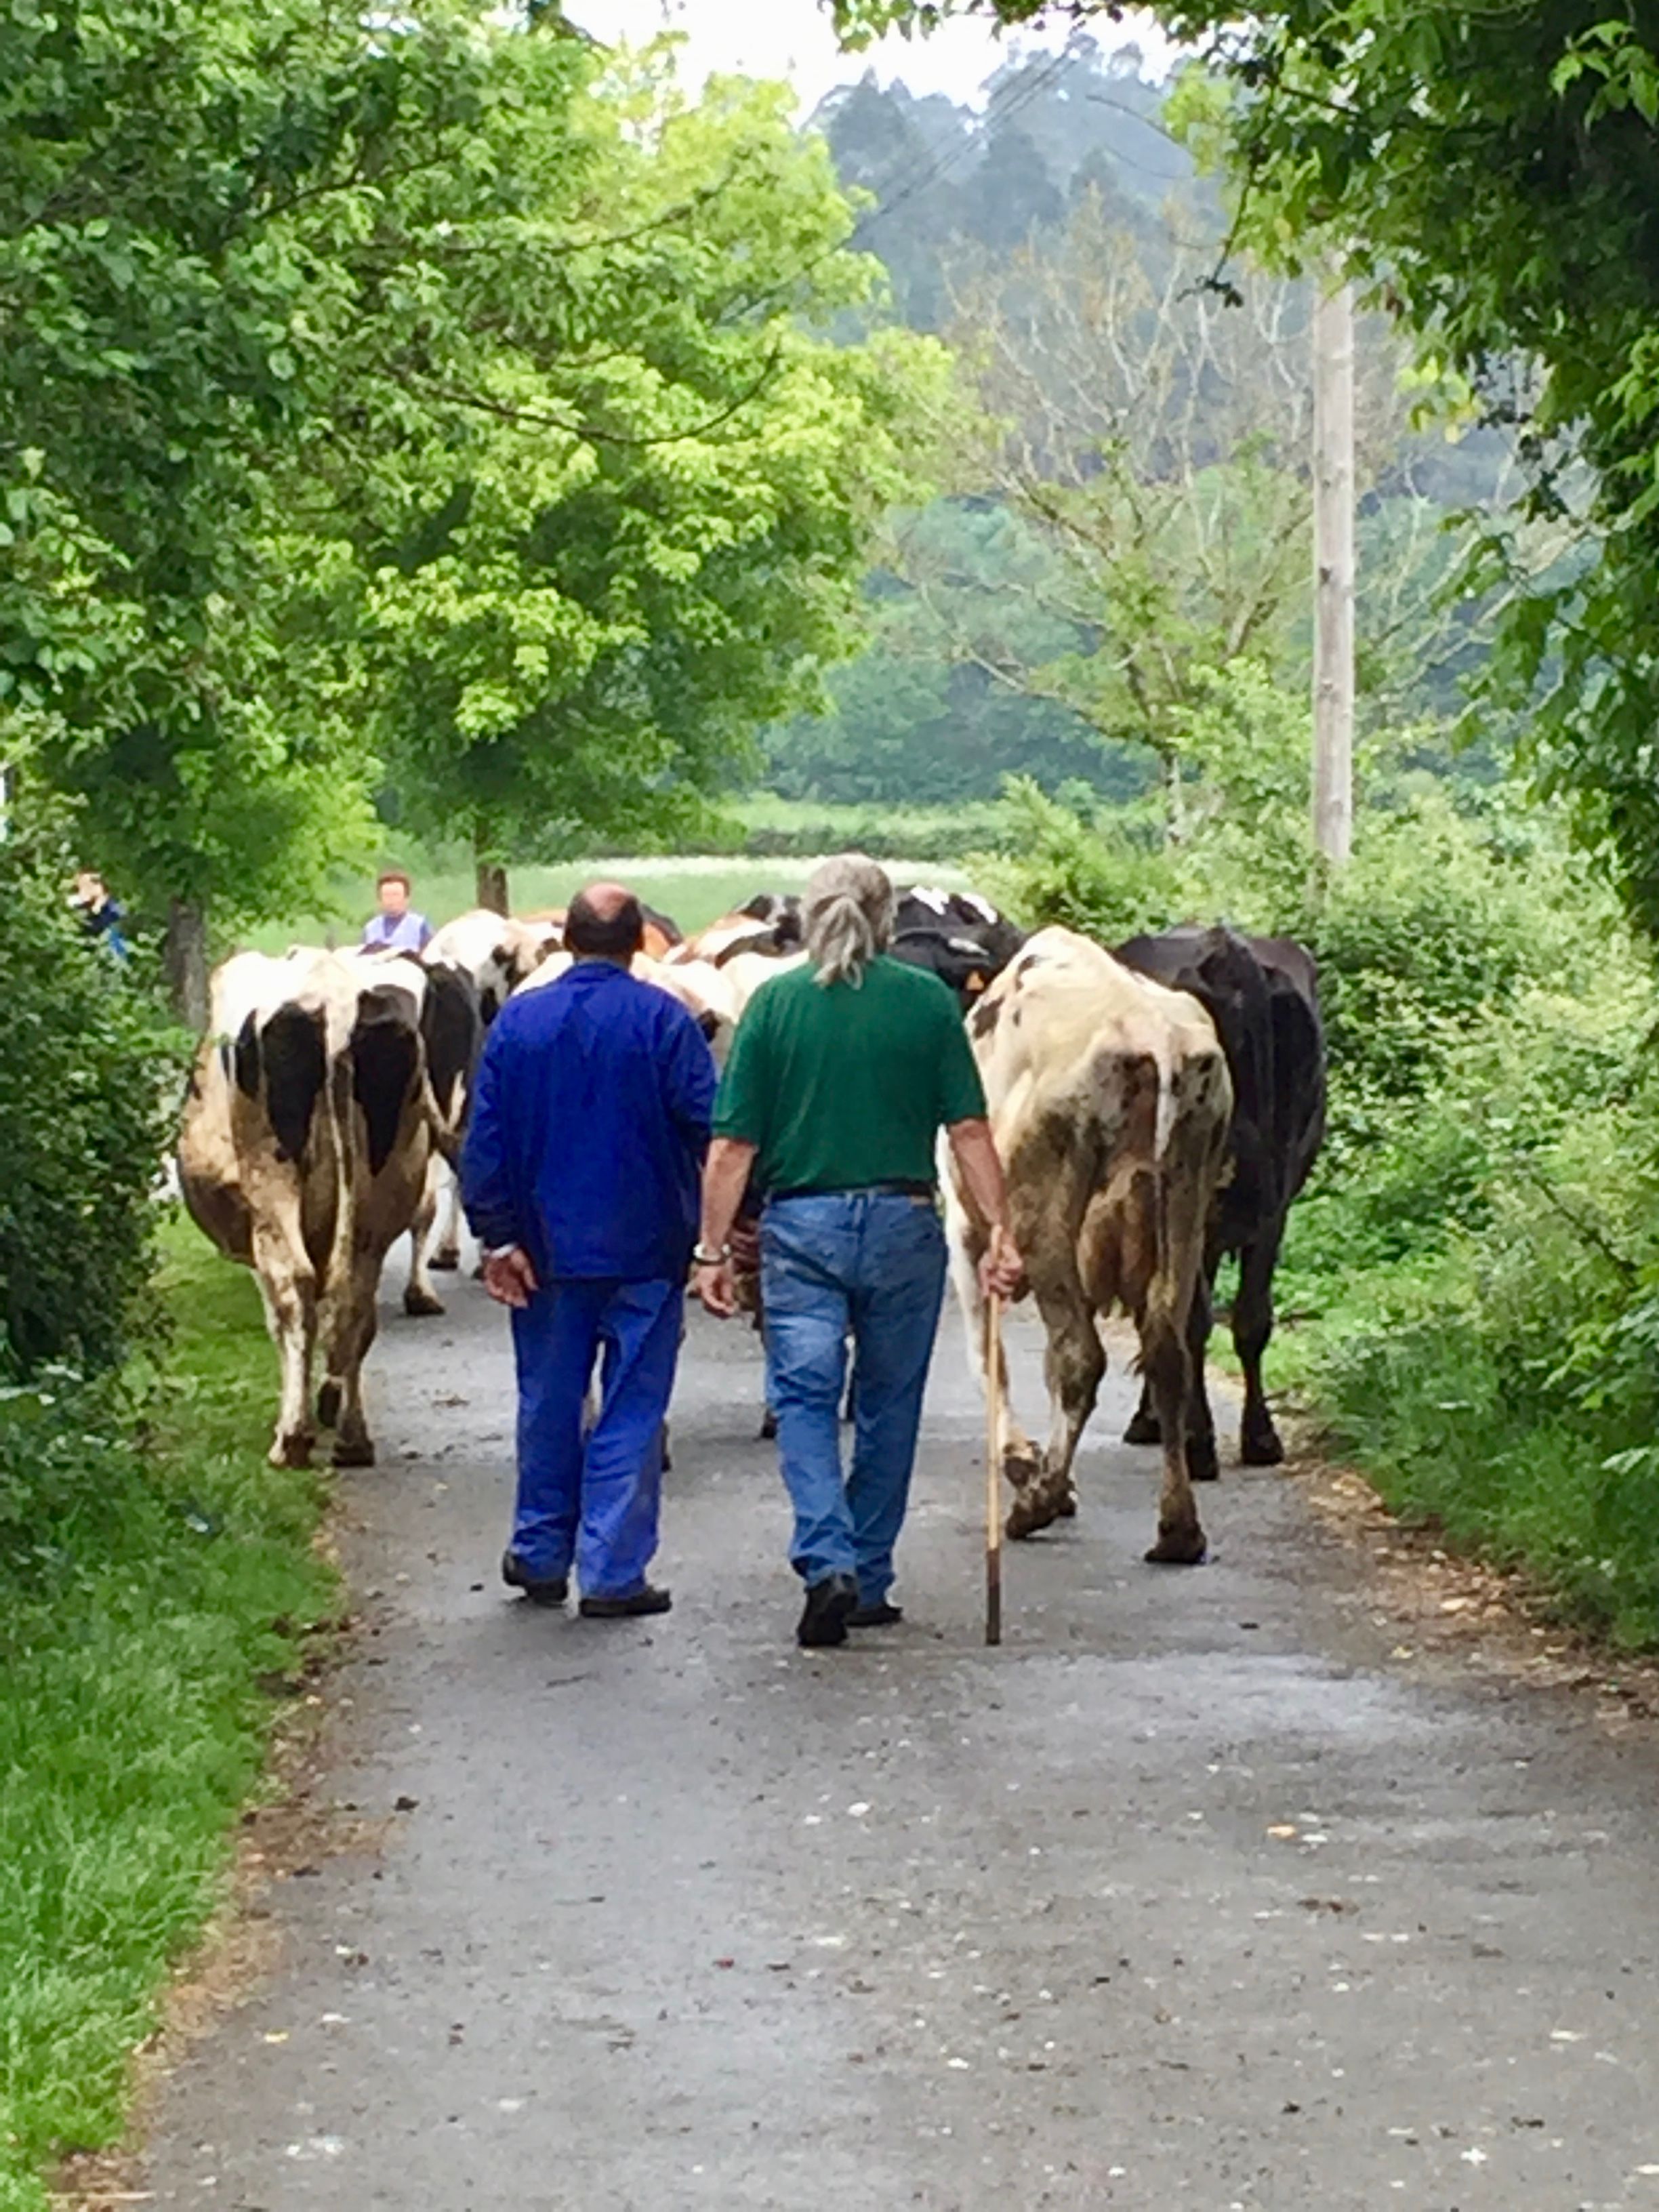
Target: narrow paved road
[[1188, 1895]]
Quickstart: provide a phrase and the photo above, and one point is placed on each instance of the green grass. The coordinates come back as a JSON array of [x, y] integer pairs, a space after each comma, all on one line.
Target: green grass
[[695, 888], [133, 1724], [693, 891]]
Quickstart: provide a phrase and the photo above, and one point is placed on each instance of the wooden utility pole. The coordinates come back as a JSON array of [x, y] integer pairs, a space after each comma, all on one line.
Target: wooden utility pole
[[1334, 569]]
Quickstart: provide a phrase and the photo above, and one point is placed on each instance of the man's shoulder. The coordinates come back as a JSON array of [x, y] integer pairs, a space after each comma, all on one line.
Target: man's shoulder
[[788, 985]]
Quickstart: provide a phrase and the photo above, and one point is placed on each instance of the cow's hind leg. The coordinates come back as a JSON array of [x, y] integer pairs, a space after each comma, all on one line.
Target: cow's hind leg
[[1146, 1428], [1074, 1366], [1167, 1364], [447, 1251], [1253, 1324], [419, 1296], [1201, 1464], [354, 1321], [1143, 1427], [289, 1288]]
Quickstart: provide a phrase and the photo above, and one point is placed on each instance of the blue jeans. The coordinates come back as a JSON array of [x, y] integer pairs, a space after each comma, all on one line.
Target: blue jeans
[[595, 1501], [869, 1263]]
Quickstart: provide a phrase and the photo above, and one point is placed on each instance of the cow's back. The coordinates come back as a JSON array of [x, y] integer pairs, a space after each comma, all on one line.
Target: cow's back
[[260, 1140], [1052, 1032]]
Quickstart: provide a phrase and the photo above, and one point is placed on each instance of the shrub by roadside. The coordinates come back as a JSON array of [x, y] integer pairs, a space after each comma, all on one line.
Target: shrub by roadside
[[161, 1569], [87, 1068], [1469, 1295]]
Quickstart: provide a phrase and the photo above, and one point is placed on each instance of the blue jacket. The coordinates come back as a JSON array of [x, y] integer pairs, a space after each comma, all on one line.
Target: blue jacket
[[589, 1123]]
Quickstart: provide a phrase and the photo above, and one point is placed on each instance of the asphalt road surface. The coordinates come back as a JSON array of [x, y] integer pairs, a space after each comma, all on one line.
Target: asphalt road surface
[[1197, 1893]]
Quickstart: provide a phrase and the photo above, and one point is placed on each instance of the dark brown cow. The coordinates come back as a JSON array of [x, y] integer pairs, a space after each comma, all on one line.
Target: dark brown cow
[[1263, 994]]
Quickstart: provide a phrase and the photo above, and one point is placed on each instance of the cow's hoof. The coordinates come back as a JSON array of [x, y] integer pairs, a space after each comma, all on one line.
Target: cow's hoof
[[328, 1404], [1261, 1449], [1180, 1547], [1202, 1466], [768, 1428], [418, 1304], [354, 1451], [1067, 1509], [1030, 1512], [447, 1263], [1143, 1430], [292, 1451]]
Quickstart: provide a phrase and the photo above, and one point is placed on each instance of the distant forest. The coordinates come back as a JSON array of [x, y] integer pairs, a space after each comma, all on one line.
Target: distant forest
[[1125, 505]]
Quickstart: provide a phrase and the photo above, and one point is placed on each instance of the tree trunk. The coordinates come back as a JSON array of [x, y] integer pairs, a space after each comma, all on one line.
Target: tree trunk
[[184, 955], [492, 886], [492, 875]]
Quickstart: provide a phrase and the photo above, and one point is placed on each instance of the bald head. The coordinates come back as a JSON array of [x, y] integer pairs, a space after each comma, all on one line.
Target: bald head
[[605, 923]]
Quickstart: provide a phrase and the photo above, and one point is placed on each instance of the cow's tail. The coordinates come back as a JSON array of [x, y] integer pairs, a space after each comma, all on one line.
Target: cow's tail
[[1163, 1059], [1137, 1193]]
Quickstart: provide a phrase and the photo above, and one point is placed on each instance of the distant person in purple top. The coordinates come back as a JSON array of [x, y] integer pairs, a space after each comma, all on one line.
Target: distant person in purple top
[[396, 927]]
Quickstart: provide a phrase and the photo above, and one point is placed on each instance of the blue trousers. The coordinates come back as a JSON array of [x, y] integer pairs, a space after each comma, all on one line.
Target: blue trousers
[[594, 1501], [869, 1263]]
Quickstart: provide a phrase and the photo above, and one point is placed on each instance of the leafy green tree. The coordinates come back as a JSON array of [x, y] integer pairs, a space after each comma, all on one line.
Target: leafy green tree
[[425, 394], [935, 711], [1493, 174], [627, 552], [192, 270]]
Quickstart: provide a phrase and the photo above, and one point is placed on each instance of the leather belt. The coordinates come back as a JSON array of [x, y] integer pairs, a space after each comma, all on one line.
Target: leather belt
[[898, 1189]]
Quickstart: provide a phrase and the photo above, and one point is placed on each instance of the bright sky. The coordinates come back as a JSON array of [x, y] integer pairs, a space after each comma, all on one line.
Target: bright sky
[[794, 39]]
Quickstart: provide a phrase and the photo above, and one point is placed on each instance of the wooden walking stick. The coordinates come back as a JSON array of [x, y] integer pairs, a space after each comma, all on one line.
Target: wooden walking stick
[[994, 1397]]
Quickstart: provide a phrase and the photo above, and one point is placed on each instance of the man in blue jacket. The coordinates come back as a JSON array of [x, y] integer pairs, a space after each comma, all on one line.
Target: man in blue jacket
[[580, 1176]]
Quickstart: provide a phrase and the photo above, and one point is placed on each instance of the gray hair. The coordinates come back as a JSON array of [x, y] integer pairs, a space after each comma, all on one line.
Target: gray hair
[[846, 917]]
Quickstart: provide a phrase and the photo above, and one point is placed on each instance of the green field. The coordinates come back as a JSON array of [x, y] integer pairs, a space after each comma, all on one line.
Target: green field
[[143, 1652], [695, 891]]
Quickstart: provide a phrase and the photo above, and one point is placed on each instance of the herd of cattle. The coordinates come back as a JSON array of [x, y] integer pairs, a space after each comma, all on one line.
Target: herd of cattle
[[1157, 1108]]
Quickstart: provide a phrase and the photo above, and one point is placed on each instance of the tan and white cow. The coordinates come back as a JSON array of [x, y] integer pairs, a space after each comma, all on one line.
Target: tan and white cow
[[1110, 1102], [497, 953], [303, 1153]]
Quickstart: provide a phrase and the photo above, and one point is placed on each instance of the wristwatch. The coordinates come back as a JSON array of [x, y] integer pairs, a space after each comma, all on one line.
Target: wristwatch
[[699, 1258]]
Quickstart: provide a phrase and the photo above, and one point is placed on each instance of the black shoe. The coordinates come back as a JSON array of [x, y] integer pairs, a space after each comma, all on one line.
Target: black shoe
[[829, 1605], [518, 1577], [875, 1616], [648, 1599]]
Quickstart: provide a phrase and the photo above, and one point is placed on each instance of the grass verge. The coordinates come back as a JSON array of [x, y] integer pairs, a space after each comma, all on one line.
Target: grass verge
[[172, 1576], [1497, 1391]]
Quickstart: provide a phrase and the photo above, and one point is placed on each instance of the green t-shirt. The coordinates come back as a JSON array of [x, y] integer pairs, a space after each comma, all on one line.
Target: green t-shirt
[[849, 1086]]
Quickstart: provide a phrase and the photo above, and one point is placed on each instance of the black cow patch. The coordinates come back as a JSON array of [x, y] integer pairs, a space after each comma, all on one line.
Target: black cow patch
[[452, 1030], [984, 1017], [288, 1051], [385, 1058]]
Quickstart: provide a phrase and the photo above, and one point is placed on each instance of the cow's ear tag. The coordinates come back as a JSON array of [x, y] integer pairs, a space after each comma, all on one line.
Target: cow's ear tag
[[976, 982]]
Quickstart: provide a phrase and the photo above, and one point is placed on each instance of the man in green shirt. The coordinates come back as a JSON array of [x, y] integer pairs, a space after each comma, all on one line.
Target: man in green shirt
[[841, 1076]]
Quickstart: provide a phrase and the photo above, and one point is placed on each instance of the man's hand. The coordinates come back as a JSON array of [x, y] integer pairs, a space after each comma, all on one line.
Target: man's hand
[[509, 1278], [716, 1284], [1001, 1271]]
